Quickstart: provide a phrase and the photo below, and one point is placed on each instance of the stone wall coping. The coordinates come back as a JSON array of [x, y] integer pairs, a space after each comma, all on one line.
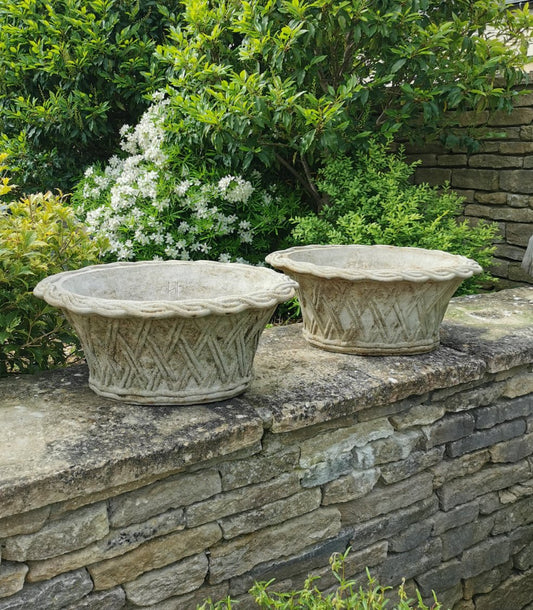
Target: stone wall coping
[[60, 441]]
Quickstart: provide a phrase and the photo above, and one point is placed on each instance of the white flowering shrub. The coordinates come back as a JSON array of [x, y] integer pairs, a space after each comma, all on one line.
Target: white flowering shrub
[[148, 205]]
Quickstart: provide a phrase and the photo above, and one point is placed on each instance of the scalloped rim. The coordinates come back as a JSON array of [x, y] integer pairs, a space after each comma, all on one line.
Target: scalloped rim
[[458, 266], [52, 290]]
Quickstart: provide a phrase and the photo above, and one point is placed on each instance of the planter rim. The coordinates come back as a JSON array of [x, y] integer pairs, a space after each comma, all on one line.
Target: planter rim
[[52, 289], [453, 265]]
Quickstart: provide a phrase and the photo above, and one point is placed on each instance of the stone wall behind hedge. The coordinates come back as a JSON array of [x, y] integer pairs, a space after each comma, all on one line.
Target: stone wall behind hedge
[[496, 181], [422, 464]]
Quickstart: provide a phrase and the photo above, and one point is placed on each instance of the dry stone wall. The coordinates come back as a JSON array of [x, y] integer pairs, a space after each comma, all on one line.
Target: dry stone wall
[[422, 464], [496, 181]]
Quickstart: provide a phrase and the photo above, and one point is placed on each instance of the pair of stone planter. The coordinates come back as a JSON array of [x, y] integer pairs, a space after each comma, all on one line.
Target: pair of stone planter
[[179, 332]]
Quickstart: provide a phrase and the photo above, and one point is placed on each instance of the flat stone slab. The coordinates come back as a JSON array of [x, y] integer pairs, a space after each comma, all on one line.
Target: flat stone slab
[[60, 441], [497, 327], [297, 385]]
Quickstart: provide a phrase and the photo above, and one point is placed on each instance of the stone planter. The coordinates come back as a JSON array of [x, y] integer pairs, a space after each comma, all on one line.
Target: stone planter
[[172, 332], [373, 300]]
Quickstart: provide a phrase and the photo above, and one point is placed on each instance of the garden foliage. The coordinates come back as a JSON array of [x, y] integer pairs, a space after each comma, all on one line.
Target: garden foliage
[[371, 200], [347, 595], [39, 236], [5, 187], [286, 83], [148, 205], [71, 73]]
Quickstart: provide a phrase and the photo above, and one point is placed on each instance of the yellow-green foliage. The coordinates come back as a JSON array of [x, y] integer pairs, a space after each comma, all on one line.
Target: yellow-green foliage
[[5, 187], [347, 595], [372, 200], [39, 236]]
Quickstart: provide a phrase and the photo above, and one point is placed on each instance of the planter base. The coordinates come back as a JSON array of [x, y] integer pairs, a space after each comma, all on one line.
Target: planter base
[[371, 349], [177, 398]]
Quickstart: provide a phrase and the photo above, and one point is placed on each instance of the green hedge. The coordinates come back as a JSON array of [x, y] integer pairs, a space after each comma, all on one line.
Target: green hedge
[[72, 72]]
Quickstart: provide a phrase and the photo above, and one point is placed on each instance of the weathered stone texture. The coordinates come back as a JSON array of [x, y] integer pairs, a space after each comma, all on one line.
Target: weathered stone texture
[[516, 492], [516, 148], [138, 506], [487, 581], [177, 579], [69, 533], [519, 385], [518, 201], [519, 116], [48, 595], [524, 559], [412, 537], [486, 438], [493, 161], [440, 578], [113, 599], [482, 179], [388, 498], [499, 174], [330, 454], [418, 416], [154, 554], [432, 176], [489, 503], [410, 564], [117, 542], [446, 160], [416, 462], [306, 561], [350, 487], [498, 198], [455, 541], [465, 489], [499, 213], [518, 588], [238, 556], [257, 469], [512, 451], [242, 499], [25, 523], [387, 525], [513, 516], [518, 233], [11, 577], [192, 600], [449, 428], [270, 514], [485, 556], [468, 399], [518, 181], [460, 515], [503, 411], [397, 447]]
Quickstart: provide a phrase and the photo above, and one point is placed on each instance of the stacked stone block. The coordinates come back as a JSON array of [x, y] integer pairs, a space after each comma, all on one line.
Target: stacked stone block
[[496, 181], [432, 483]]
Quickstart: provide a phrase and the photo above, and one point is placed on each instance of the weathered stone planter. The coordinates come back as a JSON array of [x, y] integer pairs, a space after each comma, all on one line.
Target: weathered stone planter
[[373, 300], [172, 332]]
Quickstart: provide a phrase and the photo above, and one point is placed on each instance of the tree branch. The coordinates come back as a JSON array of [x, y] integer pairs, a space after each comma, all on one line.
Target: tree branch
[[317, 198], [306, 183]]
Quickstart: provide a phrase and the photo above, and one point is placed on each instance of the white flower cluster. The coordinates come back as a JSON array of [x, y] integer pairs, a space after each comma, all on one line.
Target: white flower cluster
[[235, 189], [131, 205]]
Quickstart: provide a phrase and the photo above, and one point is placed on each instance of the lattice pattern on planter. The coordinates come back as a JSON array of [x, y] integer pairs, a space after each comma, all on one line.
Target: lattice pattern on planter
[[173, 360], [347, 316]]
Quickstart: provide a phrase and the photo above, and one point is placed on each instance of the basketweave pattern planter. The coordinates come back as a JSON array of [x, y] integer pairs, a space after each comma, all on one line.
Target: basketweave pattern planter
[[373, 300], [170, 348]]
